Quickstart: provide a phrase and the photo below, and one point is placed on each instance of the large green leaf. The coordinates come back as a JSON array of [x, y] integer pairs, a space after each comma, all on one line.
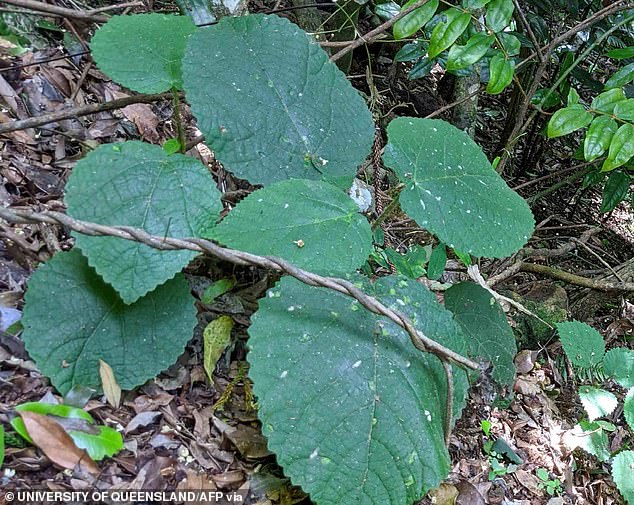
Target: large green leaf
[[138, 184], [72, 319], [270, 103], [452, 190], [410, 24], [622, 470], [351, 408], [313, 224], [568, 119], [598, 138], [619, 364], [447, 32], [143, 52], [621, 148], [583, 345], [483, 321]]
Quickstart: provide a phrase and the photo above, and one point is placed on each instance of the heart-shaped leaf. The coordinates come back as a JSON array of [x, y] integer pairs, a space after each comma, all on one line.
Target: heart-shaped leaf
[[619, 364], [622, 470], [452, 190], [484, 323], [138, 184], [72, 319], [583, 345], [143, 52], [313, 224], [370, 423], [597, 402], [270, 103]]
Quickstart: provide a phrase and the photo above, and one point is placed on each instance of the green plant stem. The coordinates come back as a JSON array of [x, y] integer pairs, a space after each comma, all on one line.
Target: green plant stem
[[176, 101]]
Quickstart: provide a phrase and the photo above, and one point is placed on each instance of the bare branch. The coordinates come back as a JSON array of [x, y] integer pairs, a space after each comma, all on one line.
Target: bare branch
[[373, 34], [75, 112], [54, 9], [419, 340]]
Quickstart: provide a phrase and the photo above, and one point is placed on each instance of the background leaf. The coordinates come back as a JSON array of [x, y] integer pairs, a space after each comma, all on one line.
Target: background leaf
[[605, 102], [72, 319], [216, 338], [312, 224], [498, 14], [464, 56], [567, 120], [105, 442], [270, 103], [622, 77], [619, 364], [371, 429], [622, 53], [621, 148], [484, 323], [414, 21], [140, 185], [144, 51], [625, 110], [501, 73], [583, 345], [450, 185], [598, 138], [447, 32], [615, 190], [437, 262]]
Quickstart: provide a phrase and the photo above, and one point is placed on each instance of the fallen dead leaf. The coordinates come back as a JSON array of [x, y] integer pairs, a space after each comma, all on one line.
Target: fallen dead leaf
[[469, 494], [109, 383], [141, 421], [56, 444], [445, 494], [249, 441]]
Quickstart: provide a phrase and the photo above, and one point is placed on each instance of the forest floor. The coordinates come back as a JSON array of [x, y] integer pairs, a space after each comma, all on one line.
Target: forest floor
[[176, 434]]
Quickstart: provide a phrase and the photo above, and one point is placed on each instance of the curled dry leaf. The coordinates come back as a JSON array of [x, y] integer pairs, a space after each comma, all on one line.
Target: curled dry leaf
[[56, 444]]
